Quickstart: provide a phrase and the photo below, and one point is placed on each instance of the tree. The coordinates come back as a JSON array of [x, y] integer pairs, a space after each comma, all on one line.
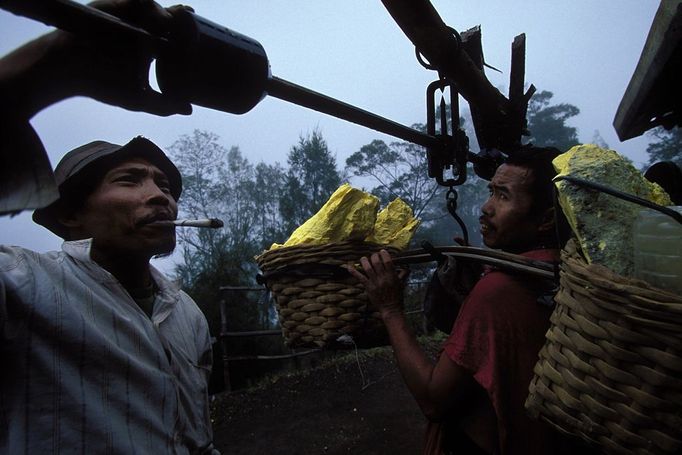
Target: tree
[[667, 147], [598, 140], [252, 201], [547, 123], [311, 178], [268, 183], [223, 184], [217, 184]]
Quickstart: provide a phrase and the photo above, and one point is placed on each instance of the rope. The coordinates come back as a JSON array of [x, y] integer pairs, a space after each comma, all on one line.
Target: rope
[[347, 339]]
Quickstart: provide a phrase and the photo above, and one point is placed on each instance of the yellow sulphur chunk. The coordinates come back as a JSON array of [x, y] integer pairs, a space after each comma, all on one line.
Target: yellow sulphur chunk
[[603, 223], [395, 225], [349, 214]]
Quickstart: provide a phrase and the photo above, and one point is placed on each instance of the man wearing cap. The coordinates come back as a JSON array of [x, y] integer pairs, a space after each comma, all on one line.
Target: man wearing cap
[[102, 353]]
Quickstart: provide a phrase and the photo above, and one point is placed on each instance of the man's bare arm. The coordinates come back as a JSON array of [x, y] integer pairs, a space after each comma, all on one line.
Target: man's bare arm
[[436, 388]]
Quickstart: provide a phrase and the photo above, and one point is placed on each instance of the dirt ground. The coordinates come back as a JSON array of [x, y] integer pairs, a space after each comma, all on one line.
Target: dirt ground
[[349, 404]]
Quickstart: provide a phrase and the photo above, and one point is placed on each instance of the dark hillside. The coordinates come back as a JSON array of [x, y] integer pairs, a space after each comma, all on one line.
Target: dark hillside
[[350, 404]]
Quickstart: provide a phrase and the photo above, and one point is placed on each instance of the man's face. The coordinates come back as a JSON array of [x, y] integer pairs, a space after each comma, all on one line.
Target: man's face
[[506, 222], [119, 212]]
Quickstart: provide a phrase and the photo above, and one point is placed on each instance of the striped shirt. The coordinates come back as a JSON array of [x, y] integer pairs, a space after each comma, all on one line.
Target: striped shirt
[[85, 370]]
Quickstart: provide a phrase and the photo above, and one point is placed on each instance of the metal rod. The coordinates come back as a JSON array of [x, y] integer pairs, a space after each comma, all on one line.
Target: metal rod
[[472, 252], [74, 17], [501, 263], [287, 91], [507, 261]]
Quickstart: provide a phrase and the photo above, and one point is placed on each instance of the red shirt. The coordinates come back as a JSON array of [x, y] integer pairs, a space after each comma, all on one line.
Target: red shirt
[[496, 337]]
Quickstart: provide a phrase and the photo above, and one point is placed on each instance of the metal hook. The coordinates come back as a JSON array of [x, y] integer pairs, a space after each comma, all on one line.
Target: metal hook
[[451, 204], [458, 49]]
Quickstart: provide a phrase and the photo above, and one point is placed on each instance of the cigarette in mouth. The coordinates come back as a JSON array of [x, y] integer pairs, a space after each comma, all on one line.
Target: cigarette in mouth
[[202, 223]]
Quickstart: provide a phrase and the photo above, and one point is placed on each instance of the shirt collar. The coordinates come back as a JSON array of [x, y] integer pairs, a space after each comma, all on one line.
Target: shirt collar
[[80, 250]]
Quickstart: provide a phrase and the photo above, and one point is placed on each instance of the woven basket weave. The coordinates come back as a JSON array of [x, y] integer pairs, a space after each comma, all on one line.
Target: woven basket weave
[[610, 371], [317, 301]]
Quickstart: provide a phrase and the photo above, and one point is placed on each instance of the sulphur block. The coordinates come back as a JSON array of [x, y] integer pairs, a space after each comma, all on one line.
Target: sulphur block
[[603, 223], [395, 225], [349, 214]]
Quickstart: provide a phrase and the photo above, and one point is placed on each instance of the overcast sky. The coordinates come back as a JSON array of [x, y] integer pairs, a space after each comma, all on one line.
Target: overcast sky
[[584, 51]]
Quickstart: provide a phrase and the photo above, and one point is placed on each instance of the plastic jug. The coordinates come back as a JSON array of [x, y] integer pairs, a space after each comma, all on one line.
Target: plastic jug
[[657, 240]]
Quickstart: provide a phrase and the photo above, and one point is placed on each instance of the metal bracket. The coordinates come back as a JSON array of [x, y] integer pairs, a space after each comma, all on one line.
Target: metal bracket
[[453, 149]]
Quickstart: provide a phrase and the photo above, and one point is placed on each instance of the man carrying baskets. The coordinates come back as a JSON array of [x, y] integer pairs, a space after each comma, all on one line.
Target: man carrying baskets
[[474, 395]]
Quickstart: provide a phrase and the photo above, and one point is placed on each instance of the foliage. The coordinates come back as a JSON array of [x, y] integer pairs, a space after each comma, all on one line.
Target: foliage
[[252, 201], [311, 178], [218, 183], [221, 183], [666, 147], [399, 170], [268, 182], [547, 123]]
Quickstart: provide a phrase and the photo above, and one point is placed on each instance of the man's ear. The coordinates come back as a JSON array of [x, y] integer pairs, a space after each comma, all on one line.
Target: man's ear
[[547, 220], [69, 218]]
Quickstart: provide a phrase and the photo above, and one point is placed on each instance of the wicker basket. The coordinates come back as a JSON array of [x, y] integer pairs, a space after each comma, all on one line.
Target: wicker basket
[[610, 371], [318, 301]]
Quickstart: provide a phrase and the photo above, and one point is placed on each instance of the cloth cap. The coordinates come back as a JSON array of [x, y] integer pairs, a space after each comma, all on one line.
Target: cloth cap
[[86, 161]]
